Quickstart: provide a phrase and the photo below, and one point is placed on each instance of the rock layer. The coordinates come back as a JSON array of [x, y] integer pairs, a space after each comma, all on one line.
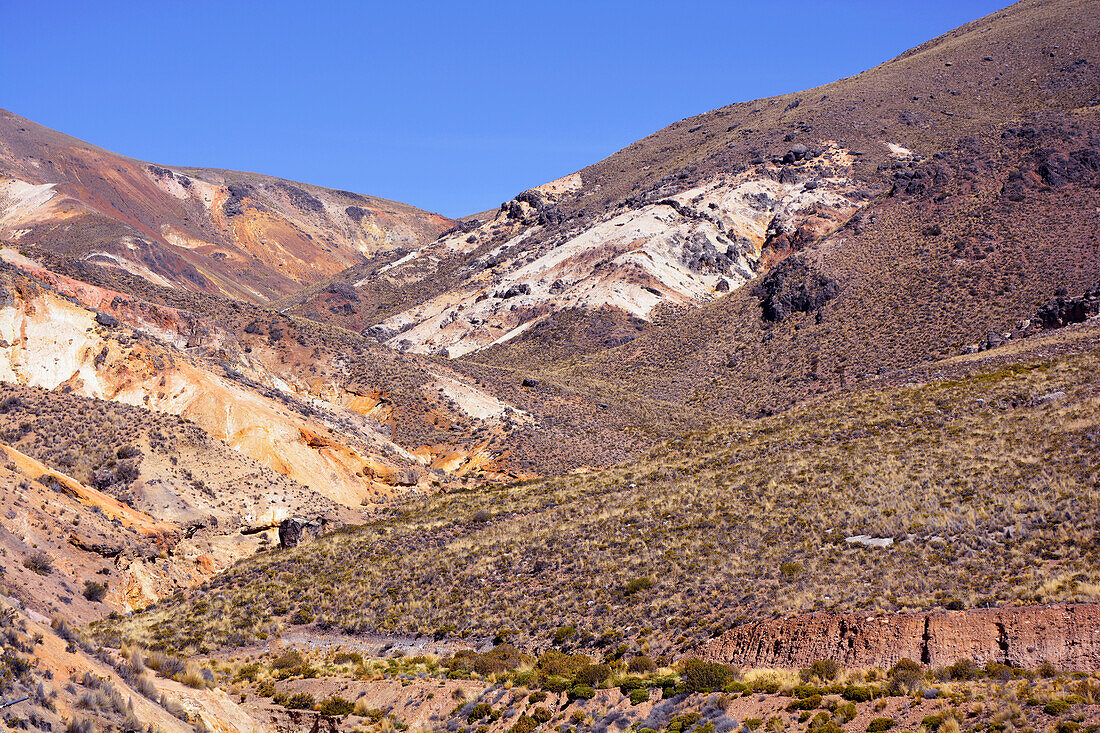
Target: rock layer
[[1066, 635]]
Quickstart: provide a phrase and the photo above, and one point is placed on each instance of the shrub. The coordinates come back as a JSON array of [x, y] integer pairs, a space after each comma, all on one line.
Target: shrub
[[39, 563], [536, 697], [637, 586], [700, 676], [336, 706], [479, 711], [541, 715], [807, 703], [347, 658], [1056, 707], [640, 665], [581, 692], [555, 662], [878, 725], [637, 697], [93, 591], [846, 713], [753, 723], [963, 669], [299, 701], [592, 674], [564, 633], [289, 659], [905, 676], [856, 693], [525, 724], [823, 669], [1047, 670], [790, 569], [765, 683]]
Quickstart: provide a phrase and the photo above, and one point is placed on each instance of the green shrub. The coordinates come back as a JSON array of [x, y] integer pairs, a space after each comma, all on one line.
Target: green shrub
[[299, 701], [753, 723], [637, 586], [592, 674], [878, 725], [536, 697], [846, 713], [765, 683], [640, 665], [479, 711], [581, 692], [823, 669], [347, 658], [790, 569], [700, 676], [289, 659], [637, 697], [932, 722], [525, 724], [336, 706], [905, 676], [564, 633], [813, 702], [857, 693], [541, 715], [555, 683], [1056, 707], [963, 669]]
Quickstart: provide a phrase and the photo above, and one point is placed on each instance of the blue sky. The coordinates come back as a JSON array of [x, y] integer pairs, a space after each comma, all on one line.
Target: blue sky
[[454, 107]]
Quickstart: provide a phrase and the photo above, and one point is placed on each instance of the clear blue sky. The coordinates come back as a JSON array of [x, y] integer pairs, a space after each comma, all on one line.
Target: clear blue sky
[[454, 107]]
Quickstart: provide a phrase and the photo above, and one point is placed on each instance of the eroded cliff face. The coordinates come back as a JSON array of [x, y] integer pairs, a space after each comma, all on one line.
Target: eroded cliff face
[[1066, 635], [50, 342], [668, 247]]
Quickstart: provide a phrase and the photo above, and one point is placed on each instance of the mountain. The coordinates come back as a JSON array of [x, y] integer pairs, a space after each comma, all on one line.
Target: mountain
[[806, 381], [241, 235]]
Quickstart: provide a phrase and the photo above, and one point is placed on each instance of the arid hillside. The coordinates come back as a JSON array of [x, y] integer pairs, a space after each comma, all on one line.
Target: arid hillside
[[783, 418], [981, 472]]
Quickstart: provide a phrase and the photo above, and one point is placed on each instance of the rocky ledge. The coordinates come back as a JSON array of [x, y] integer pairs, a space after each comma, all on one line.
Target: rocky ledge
[[1068, 636]]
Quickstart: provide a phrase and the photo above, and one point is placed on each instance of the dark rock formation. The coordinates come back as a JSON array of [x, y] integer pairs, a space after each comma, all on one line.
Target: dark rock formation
[[1062, 311], [293, 531], [794, 286]]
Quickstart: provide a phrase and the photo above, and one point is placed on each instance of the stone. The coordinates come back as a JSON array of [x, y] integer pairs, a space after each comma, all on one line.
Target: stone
[[106, 319]]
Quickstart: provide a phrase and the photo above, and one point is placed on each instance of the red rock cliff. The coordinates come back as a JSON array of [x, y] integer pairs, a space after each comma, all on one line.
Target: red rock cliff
[[1066, 635]]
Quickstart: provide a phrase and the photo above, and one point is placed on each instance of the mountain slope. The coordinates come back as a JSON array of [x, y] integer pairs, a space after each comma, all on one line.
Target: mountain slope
[[711, 202], [242, 235]]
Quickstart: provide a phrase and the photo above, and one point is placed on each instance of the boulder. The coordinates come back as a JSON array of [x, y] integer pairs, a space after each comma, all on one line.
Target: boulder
[[293, 531], [106, 319]]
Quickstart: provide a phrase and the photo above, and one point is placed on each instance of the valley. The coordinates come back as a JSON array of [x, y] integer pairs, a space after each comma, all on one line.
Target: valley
[[785, 417]]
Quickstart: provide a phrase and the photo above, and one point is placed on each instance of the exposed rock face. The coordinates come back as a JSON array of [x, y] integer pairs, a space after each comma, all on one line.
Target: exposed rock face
[[794, 286], [1063, 311], [293, 531], [662, 247], [1068, 636]]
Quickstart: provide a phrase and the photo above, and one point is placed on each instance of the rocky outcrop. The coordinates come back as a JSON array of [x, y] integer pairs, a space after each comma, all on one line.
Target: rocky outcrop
[[1063, 310], [793, 286], [1066, 635]]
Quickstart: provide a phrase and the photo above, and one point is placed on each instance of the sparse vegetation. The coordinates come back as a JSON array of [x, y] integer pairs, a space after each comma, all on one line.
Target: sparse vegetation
[[721, 504]]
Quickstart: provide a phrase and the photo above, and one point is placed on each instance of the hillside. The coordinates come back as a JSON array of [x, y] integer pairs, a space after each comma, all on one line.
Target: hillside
[[242, 235], [983, 477]]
